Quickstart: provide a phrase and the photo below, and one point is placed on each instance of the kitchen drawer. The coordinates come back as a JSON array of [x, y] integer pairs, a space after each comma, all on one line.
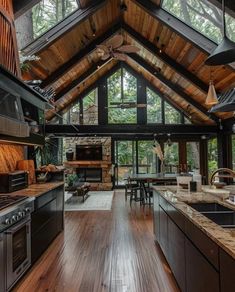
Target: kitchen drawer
[[207, 247], [44, 199], [163, 203], [177, 217]]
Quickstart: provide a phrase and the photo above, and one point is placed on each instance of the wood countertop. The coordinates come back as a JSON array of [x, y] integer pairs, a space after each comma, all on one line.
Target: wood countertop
[[36, 190], [224, 237]]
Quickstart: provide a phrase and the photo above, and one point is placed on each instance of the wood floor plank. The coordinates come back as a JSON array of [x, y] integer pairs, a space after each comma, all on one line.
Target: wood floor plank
[[103, 251]]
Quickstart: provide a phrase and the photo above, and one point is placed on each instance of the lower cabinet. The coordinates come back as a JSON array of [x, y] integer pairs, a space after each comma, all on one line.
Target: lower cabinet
[[47, 220], [192, 269], [227, 269], [200, 274], [176, 253]]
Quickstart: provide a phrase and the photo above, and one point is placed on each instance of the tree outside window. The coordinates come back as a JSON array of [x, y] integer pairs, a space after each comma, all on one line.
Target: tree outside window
[[154, 107]]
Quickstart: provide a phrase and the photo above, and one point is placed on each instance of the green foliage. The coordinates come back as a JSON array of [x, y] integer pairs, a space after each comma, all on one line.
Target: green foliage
[[172, 116], [117, 93], [90, 99], [154, 107], [47, 13], [212, 155], [203, 16]]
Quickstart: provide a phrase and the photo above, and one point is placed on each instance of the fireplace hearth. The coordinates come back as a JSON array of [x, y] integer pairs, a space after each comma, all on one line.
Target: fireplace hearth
[[89, 174]]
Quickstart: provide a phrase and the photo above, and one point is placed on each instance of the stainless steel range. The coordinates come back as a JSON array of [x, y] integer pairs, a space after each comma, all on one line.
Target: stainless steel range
[[15, 236]]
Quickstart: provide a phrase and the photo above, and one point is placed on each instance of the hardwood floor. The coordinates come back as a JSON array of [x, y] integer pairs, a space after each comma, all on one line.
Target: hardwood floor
[[103, 251]]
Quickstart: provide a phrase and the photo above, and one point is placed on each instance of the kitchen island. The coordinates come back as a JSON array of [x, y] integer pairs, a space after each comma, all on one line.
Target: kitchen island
[[201, 253]]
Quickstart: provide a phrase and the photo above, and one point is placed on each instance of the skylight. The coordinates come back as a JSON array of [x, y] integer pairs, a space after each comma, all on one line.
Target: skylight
[[202, 16], [42, 17]]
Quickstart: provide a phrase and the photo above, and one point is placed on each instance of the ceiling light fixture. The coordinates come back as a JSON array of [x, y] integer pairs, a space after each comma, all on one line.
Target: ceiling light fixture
[[211, 98], [225, 51]]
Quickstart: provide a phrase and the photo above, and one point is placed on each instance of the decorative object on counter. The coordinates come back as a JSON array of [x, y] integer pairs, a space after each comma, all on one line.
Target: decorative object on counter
[[198, 179], [182, 181], [219, 185], [27, 165], [69, 154], [42, 177], [193, 186]]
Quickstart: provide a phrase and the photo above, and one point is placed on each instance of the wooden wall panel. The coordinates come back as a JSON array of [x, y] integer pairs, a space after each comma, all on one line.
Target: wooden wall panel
[[9, 56], [9, 155]]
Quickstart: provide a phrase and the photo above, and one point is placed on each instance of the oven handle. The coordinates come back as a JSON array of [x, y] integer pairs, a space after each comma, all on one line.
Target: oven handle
[[18, 226]]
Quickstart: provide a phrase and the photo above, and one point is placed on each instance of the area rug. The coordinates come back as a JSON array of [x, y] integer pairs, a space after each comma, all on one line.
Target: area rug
[[100, 200]]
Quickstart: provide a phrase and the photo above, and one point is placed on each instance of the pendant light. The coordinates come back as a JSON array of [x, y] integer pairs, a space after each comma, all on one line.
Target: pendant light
[[211, 98], [225, 51]]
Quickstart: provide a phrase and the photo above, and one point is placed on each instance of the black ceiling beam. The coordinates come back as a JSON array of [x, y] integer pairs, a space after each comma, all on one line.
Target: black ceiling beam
[[63, 69], [129, 129], [181, 70], [179, 27], [81, 79], [63, 27], [174, 87], [21, 6]]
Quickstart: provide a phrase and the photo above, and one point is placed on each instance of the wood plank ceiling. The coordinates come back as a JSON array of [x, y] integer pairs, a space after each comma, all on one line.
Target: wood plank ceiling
[[70, 85]]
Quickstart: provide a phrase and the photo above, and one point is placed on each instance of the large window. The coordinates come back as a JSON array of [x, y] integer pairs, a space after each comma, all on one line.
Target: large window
[[146, 157], [172, 116], [154, 107], [122, 97], [171, 155], [212, 156], [42, 17], [90, 108], [203, 16], [193, 155]]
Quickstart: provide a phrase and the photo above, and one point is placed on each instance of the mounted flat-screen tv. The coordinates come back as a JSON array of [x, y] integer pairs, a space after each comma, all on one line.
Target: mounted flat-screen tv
[[89, 152]]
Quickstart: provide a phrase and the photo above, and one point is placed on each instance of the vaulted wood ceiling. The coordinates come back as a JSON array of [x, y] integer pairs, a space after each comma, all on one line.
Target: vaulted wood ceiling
[[70, 64]]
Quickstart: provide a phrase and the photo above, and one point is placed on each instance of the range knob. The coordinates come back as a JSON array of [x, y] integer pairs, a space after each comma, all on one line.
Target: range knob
[[14, 218], [20, 214], [7, 221], [27, 210]]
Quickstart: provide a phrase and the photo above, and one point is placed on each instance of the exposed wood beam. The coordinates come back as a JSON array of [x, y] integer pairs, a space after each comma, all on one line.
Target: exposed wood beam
[[176, 88], [21, 6], [63, 27], [80, 79], [129, 129], [63, 69], [191, 35], [166, 59]]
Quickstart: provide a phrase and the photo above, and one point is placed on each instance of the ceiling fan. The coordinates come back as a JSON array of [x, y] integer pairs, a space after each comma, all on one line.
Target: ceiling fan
[[114, 48]]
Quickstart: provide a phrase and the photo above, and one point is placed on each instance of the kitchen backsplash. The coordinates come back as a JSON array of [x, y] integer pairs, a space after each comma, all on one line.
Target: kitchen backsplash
[[9, 155]]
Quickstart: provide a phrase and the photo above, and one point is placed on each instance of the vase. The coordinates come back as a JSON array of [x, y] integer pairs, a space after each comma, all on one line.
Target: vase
[[69, 155]]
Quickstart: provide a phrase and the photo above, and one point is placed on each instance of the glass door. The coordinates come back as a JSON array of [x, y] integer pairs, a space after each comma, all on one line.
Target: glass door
[[147, 160], [125, 157]]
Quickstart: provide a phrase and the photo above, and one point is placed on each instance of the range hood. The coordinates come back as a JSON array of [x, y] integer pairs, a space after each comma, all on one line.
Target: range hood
[[226, 102], [15, 96]]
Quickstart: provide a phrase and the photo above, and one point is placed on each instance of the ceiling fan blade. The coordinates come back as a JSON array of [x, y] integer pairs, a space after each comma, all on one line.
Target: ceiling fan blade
[[103, 48], [128, 49], [105, 57], [115, 42], [120, 56]]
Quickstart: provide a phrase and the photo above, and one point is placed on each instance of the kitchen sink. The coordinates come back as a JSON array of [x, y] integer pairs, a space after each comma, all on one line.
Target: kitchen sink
[[221, 215]]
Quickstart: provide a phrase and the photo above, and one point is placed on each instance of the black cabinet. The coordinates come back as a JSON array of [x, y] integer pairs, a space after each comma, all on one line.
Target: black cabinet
[[156, 210], [163, 231], [227, 269], [47, 220], [200, 274], [176, 253]]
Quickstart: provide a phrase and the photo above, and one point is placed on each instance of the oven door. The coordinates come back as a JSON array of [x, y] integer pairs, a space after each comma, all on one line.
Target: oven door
[[2, 262], [18, 251]]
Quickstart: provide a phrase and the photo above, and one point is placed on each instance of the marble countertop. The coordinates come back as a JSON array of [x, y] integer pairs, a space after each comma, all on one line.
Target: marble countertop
[[179, 198], [36, 190]]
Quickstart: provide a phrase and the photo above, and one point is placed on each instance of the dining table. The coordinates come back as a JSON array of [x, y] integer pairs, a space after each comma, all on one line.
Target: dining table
[[145, 179]]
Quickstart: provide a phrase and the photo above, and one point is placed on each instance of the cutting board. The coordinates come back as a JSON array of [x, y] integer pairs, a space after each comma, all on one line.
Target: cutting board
[[27, 165]]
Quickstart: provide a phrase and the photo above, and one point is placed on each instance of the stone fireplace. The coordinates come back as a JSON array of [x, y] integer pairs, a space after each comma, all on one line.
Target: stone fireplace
[[97, 172]]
